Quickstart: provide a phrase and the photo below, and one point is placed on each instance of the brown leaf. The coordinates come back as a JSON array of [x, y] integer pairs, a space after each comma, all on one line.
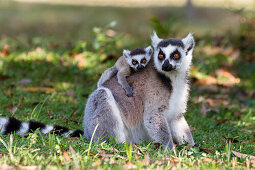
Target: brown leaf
[[11, 108], [129, 165], [242, 155], [39, 89], [156, 145], [220, 121], [203, 109], [205, 150], [6, 50], [208, 160], [226, 78], [66, 156], [209, 80], [8, 93], [81, 60], [192, 128], [3, 77]]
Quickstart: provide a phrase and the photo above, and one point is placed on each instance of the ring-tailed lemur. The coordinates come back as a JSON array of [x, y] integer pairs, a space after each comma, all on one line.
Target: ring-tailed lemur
[[162, 84], [136, 59]]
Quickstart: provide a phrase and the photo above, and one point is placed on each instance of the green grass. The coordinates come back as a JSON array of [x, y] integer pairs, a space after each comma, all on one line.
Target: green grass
[[60, 82]]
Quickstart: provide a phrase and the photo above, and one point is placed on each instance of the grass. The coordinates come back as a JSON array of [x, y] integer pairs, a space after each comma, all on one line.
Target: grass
[[50, 82]]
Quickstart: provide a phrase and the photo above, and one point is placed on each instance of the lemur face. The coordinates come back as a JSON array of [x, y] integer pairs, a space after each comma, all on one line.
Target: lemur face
[[172, 54], [138, 58]]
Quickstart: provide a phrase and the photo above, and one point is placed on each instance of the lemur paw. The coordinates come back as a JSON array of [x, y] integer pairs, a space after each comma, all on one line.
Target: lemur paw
[[129, 92]]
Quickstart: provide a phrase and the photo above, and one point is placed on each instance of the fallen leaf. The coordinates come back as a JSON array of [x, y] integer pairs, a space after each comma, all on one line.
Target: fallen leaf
[[6, 50], [208, 160], [242, 155], [39, 89], [192, 128], [3, 77], [205, 150], [11, 108], [80, 59], [66, 156], [156, 145], [209, 80], [129, 165], [203, 109], [8, 93], [220, 121], [226, 78]]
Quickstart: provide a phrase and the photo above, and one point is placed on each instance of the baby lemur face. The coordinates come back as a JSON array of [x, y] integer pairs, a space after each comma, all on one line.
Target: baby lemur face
[[138, 58], [172, 54]]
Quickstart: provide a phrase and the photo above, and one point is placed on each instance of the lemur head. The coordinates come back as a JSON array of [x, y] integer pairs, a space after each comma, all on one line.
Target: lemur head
[[138, 58], [172, 54]]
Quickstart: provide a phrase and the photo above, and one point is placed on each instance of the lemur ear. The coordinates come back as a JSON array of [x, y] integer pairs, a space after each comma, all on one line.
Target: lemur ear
[[189, 43], [126, 53], [148, 50], [155, 39]]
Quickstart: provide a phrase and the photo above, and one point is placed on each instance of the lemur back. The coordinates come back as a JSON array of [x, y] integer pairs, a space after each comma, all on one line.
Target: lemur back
[[136, 59], [149, 88]]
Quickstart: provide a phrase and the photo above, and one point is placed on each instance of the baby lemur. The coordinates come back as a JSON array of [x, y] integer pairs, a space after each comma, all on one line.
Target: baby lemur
[[136, 59]]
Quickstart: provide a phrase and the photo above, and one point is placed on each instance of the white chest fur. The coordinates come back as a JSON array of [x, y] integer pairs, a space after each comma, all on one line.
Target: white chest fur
[[179, 96]]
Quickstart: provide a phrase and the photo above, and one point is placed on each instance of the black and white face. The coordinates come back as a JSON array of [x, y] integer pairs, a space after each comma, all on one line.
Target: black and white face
[[138, 58], [172, 54]]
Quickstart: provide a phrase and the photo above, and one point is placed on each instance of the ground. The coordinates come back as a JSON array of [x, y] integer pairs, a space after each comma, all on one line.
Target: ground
[[49, 80]]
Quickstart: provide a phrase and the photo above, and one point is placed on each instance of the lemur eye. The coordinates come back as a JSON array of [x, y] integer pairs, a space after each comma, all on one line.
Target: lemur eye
[[144, 61], [160, 56], [176, 56], [134, 62]]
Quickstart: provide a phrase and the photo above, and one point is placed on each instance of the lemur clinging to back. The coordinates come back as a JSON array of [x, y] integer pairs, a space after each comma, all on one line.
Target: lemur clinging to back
[[136, 59]]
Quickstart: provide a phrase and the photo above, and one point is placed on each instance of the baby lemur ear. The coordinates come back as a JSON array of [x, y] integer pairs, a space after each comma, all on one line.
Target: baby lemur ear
[[189, 43], [155, 39], [126, 53], [148, 50]]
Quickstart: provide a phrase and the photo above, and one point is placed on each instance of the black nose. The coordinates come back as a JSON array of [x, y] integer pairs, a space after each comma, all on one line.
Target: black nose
[[167, 66], [140, 67]]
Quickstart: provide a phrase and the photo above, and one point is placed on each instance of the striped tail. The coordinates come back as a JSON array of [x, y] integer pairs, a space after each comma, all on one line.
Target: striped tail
[[9, 125]]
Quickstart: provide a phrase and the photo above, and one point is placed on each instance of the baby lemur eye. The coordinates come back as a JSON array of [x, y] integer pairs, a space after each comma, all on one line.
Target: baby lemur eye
[[144, 61], [134, 62]]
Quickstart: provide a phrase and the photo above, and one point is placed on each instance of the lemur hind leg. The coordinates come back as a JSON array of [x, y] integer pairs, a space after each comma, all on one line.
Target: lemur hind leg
[[101, 110], [158, 129], [180, 131]]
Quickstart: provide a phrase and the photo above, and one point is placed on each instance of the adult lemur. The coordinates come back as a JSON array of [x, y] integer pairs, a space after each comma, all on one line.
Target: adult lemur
[[136, 59], [162, 84]]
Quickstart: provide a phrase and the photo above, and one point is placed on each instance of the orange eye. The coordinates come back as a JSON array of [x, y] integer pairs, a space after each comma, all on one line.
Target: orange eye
[[144, 61], [176, 56], [160, 56], [134, 62]]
